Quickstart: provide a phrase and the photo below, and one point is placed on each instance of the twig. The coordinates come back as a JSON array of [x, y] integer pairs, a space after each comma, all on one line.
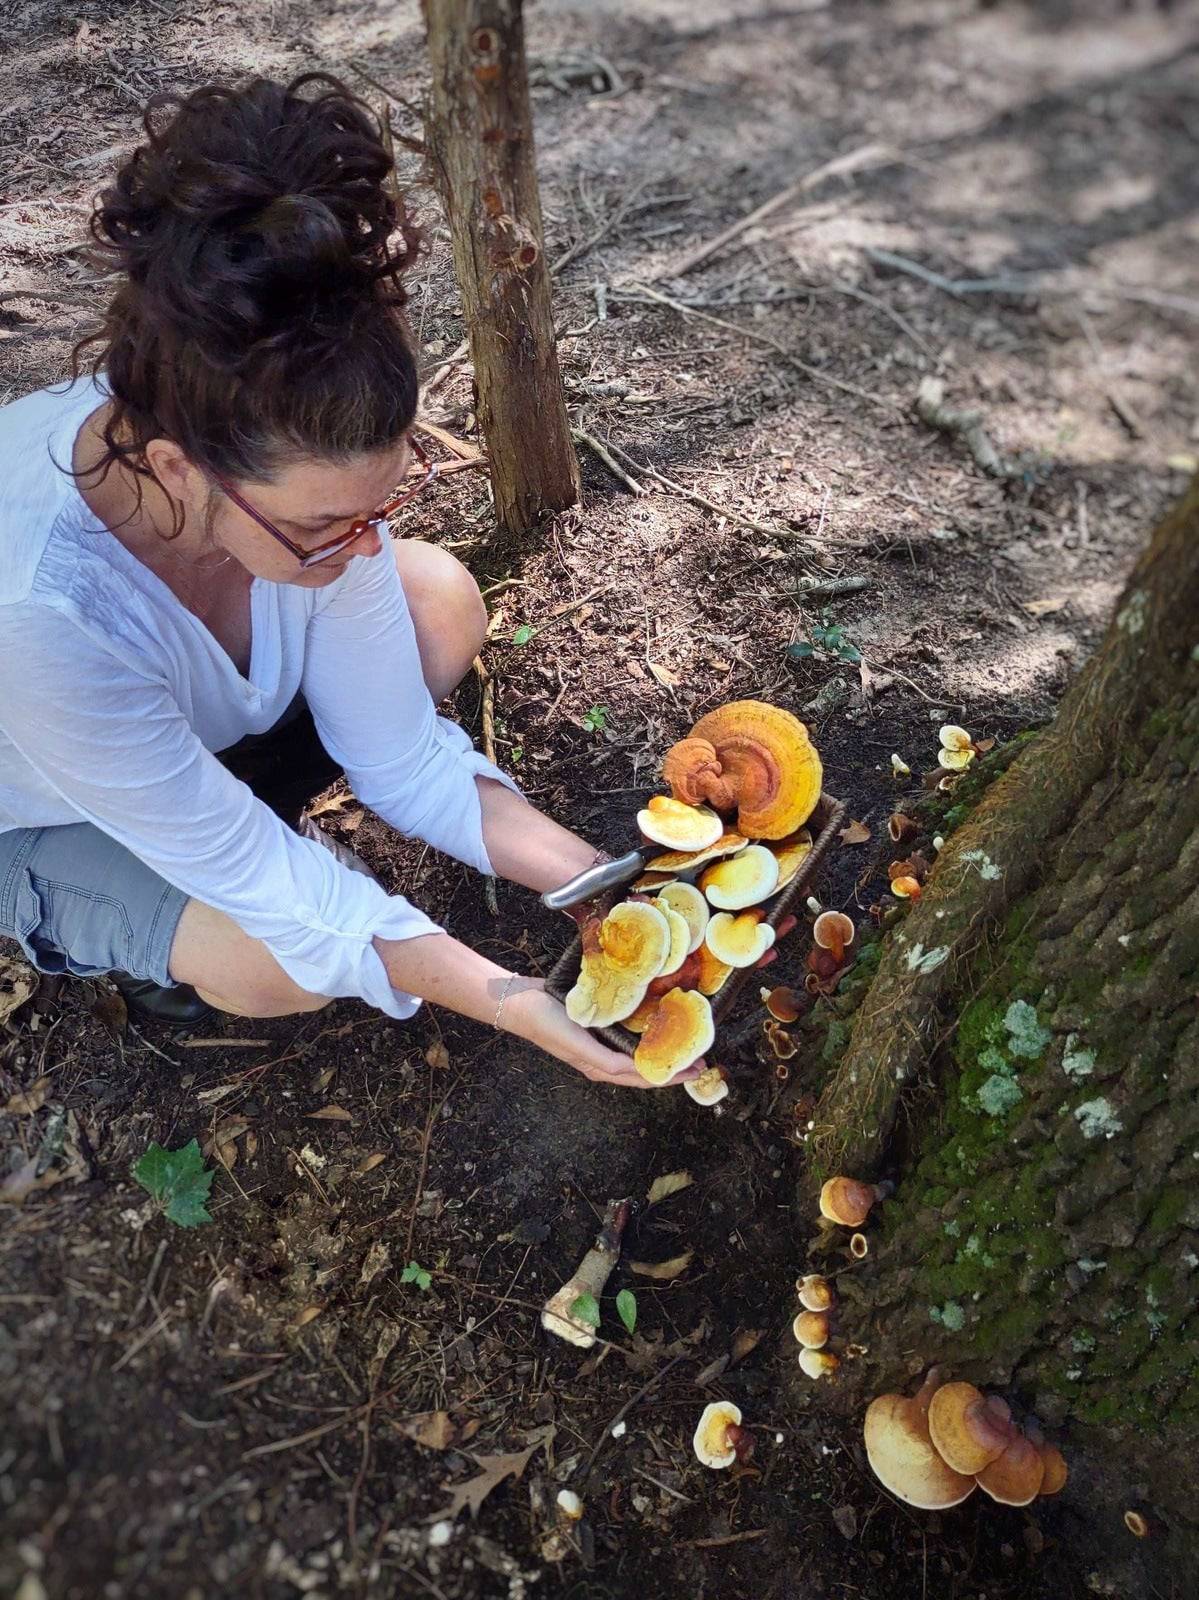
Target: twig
[[444, 368], [487, 728], [827, 588], [966, 425], [560, 616], [638, 290], [868, 155], [612, 465], [225, 1044], [628, 1406], [417, 146], [726, 1538], [424, 1166]]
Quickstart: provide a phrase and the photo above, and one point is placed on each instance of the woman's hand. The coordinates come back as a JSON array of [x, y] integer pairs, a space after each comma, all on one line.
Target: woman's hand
[[536, 1016]]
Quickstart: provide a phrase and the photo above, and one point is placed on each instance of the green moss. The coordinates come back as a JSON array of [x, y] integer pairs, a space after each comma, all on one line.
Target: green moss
[[1170, 1208]]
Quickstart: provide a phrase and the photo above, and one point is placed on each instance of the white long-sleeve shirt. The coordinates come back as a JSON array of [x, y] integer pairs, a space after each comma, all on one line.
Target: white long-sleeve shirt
[[114, 698]]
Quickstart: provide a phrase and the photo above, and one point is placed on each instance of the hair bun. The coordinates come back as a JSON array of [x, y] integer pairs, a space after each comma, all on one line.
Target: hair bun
[[301, 239]]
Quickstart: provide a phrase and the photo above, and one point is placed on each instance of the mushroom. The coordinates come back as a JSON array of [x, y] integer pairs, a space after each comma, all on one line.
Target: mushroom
[[686, 900], [815, 1293], [905, 887], [899, 767], [686, 977], [811, 1329], [784, 1004], [957, 748], [742, 880], [859, 1246], [782, 1045], [710, 1087], [653, 882], [1014, 1477], [638, 1021], [752, 756], [818, 1363], [791, 853], [969, 1430], [833, 931], [589, 1277], [1136, 1524], [848, 1202], [569, 1505], [680, 939], [901, 828], [676, 861], [679, 1032], [713, 973], [678, 826], [719, 1437], [739, 940], [902, 1455], [1056, 1470], [620, 959]]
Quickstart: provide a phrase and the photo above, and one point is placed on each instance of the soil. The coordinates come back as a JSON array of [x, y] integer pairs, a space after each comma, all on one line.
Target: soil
[[234, 1409]]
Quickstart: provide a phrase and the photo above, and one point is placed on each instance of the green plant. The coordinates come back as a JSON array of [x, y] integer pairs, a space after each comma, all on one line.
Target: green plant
[[523, 634], [826, 639], [178, 1181], [415, 1273], [595, 718], [626, 1306], [586, 1309]]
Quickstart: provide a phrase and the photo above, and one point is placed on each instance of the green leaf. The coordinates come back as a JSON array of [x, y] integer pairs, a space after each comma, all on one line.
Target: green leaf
[[516, 753], [523, 634], [178, 1180], [798, 652], [415, 1273], [595, 718], [849, 652], [626, 1306], [586, 1309]]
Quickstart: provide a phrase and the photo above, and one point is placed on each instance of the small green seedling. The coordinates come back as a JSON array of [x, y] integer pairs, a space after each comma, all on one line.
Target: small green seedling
[[415, 1273], [523, 634], [626, 1306], [595, 718], [178, 1181], [827, 640]]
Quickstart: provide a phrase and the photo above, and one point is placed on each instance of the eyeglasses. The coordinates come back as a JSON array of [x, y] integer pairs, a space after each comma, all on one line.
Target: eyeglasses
[[380, 519]]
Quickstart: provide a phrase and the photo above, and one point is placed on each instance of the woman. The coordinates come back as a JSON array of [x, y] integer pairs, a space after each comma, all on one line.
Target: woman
[[190, 554]]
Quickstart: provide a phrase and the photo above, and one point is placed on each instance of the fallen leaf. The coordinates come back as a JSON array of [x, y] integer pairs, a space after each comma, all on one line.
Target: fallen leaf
[[378, 1259], [209, 1097], [330, 1114], [494, 1470], [352, 821], [1045, 608], [745, 1340], [437, 1430], [846, 1520], [369, 1163], [855, 833], [437, 1056], [663, 1270], [18, 980], [26, 1101], [983, 745], [251, 1145], [333, 802], [669, 1184], [666, 676], [226, 1154], [306, 1316], [711, 1372]]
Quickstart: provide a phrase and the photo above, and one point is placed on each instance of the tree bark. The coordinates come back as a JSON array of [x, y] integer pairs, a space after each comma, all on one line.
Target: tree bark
[[1044, 1233], [480, 135]]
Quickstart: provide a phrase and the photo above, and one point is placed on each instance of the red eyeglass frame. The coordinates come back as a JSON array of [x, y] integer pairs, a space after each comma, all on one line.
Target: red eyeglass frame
[[322, 552]]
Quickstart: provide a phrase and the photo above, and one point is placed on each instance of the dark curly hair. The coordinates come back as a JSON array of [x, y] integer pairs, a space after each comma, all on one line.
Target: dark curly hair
[[260, 317]]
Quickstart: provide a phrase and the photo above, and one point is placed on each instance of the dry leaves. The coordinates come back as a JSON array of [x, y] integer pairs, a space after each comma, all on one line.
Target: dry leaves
[[1045, 608], [330, 1114], [26, 1101], [663, 1270], [666, 676], [669, 1184], [18, 980], [855, 833], [494, 1469], [369, 1163], [378, 1259], [437, 1056], [437, 1430], [111, 1012]]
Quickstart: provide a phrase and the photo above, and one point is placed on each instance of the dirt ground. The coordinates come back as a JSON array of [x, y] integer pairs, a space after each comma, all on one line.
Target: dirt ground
[[242, 1409]]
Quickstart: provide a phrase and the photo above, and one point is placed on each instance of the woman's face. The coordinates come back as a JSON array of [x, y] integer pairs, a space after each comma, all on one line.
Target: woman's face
[[310, 503]]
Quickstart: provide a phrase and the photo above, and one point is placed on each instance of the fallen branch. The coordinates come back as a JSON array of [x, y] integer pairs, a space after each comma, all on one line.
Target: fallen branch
[[589, 1277], [829, 588], [966, 425], [613, 466]]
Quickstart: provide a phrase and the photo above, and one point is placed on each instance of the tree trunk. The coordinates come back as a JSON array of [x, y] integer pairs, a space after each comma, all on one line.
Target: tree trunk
[[481, 138], [1044, 1232]]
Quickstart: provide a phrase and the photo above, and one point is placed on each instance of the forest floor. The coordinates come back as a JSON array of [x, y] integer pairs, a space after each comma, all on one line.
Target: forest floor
[[261, 1406]]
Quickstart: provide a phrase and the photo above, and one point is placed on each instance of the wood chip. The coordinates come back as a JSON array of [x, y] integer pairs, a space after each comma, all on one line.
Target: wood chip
[[330, 1114], [663, 1271], [669, 1184]]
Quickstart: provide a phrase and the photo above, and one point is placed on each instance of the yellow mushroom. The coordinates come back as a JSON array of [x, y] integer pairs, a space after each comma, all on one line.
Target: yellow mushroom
[[902, 1454], [739, 940], [745, 879], [678, 826]]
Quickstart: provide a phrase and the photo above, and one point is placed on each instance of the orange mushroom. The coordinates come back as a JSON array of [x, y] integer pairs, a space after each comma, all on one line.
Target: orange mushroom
[[791, 853], [677, 861], [621, 956], [745, 879], [815, 1292], [752, 756], [906, 888], [848, 1202], [680, 1031], [784, 1004], [1014, 1477], [713, 973], [678, 826], [739, 940], [903, 1456], [810, 1329], [710, 1087], [969, 1430], [638, 1021], [686, 899], [833, 931]]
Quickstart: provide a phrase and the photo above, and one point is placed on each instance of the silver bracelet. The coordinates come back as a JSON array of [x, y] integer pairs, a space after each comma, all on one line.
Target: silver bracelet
[[500, 1008]]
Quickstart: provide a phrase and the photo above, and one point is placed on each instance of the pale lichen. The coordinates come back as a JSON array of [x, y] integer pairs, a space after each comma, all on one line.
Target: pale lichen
[[1076, 1062], [1098, 1119], [925, 961], [987, 869]]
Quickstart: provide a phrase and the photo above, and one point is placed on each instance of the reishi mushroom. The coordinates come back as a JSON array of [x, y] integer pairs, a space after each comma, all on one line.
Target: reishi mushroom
[[679, 1032], [791, 853], [834, 931], [710, 1087], [620, 958], [815, 1292], [957, 748], [686, 900], [784, 1004], [818, 1363], [902, 1455], [745, 879], [811, 1329], [719, 1435], [680, 939], [968, 1429], [739, 939], [676, 861], [713, 973], [752, 756], [848, 1202], [1014, 1477], [678, 826]]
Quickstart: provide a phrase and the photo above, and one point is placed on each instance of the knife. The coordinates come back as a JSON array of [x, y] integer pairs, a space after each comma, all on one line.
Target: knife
[[594, 880]]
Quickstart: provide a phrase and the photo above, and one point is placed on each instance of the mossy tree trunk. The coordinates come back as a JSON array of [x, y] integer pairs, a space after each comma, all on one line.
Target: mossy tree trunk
[[480, 135], [1044, 1232]]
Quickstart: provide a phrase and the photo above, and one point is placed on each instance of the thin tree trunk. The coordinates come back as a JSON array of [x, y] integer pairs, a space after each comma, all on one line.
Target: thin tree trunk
[[481, 138]]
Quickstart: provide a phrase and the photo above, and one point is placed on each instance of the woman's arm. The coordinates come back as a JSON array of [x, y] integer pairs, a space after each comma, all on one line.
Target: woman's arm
[[526, 846]]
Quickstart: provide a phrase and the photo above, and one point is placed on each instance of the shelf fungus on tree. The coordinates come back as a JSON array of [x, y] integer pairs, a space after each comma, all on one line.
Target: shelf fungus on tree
[[1052, 1460], [752, 757], [791, 853], [968, 1428], [847, 1201], [675, 862], [818, 1363], [638, 1021], [957, 748], [680, 1031], [834, 931], [678, 826], [815, 1292], [687, 902], [743, 880], [739, 939], [719, 1438], [713, 973], [1014, 1477], [621, 957], [709, 1088], [811, 1329], [903, 1457]]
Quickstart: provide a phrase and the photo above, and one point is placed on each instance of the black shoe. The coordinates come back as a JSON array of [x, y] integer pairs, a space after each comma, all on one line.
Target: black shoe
[[175, 1005]]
